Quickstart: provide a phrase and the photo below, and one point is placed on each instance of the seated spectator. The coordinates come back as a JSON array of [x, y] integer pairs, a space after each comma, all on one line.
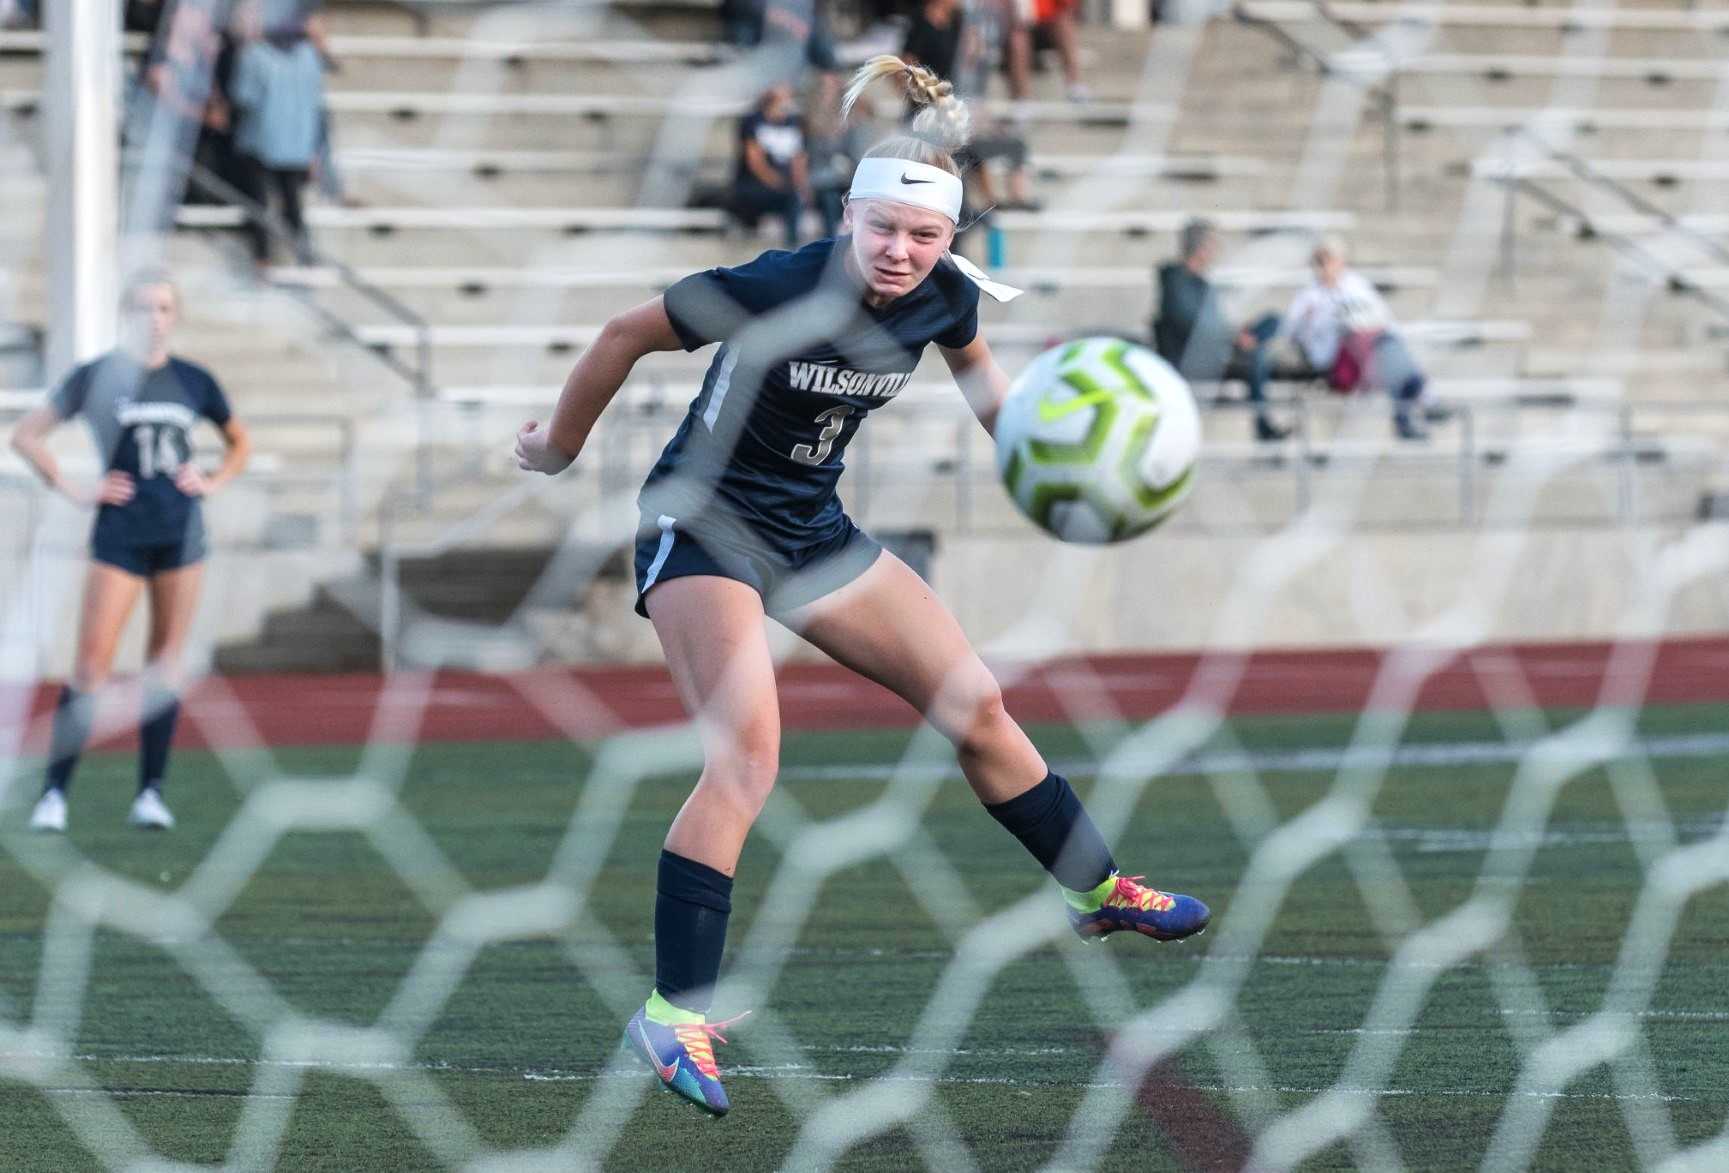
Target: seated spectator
[[1192, 333], [1047, 22], [1344, 328], [941, 40], [278, 96], [772, 176]]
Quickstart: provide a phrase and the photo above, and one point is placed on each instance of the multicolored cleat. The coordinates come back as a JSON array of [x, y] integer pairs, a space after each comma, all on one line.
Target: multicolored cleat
[[1124, 903], [682, 1055]]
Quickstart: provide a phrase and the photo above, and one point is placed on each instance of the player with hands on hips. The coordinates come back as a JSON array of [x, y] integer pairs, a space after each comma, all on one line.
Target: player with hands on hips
[[141, 405]]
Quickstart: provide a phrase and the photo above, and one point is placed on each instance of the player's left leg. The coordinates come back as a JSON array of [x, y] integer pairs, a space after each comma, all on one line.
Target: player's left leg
[[173, 600], [889, 626]]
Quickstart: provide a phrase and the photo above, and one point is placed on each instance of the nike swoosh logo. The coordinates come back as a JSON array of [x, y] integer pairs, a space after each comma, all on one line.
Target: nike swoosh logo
[[1050, 412], [665, 1070], [904, 179]]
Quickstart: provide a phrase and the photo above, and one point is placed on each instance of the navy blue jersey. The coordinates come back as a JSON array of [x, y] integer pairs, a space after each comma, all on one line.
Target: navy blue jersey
[[142, 422], [802, 360]]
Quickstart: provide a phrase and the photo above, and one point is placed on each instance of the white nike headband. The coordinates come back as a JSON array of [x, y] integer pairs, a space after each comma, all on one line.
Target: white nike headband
[[923, 186], [906, 182]]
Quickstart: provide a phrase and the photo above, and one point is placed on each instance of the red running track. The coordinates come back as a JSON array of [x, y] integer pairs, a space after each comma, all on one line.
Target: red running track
[[281, 710]]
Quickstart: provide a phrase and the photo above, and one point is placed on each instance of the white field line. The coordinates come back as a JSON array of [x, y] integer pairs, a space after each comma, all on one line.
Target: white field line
[[806, 1071], [1329, 759]]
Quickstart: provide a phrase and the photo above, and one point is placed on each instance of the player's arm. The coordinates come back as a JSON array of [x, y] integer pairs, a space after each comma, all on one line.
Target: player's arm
[[983, 383], [236, 451], [593, 381], [30, 442]]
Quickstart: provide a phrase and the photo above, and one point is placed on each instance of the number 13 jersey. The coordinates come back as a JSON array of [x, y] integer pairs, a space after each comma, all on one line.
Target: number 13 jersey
[[142, 421], [802, 359]]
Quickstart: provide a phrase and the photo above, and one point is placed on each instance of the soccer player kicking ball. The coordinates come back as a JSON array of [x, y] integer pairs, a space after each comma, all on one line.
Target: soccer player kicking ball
[[741, 521]]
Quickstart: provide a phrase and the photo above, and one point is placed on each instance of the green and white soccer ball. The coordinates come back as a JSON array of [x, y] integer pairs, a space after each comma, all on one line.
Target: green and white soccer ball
[[1097, 440]]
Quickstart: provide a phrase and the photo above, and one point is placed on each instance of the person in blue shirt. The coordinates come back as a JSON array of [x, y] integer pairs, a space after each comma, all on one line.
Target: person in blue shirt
[[741, 522], [141, 405]]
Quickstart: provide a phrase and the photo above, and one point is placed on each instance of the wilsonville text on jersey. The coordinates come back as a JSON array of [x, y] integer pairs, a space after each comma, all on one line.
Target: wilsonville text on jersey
[[827, 380]]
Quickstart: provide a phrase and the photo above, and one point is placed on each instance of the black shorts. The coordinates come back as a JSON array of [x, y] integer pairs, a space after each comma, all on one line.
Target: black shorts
[[785, 578], [147, 561]]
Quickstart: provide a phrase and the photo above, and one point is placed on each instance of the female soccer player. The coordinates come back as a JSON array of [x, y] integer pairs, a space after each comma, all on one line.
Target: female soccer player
[[141, 405], [741, 520]]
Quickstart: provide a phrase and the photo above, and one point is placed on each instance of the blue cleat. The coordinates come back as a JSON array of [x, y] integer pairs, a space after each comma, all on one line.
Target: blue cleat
[[1129, 904], [682, 1056]]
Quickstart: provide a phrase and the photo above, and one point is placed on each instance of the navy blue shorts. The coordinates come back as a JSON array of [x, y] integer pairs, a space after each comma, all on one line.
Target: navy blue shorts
[[785, 579], [147, 561]]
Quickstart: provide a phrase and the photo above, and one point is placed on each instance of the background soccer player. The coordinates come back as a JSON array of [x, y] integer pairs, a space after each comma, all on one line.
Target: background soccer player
[[141, 405], [741, 521]]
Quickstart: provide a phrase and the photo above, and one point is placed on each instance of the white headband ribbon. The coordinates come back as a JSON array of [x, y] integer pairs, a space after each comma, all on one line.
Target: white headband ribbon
[[923, 186]]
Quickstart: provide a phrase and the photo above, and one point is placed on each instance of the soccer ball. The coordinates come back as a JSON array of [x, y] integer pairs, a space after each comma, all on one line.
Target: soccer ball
[[1097, 440]]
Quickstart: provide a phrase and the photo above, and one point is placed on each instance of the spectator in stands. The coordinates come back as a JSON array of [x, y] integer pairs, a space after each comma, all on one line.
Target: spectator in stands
[[1344, 328], [1030, 25], [772, 176], [176, 110], [324, 170], [941, 40], [792, 35], [1192, 333], [278, 94]]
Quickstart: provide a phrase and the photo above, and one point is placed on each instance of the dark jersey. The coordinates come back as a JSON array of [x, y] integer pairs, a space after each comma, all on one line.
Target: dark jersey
[[802, 360], [142, 421]]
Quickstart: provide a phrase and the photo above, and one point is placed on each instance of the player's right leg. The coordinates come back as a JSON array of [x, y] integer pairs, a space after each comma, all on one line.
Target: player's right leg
[[713, 632], [110, 593], [890, 627]]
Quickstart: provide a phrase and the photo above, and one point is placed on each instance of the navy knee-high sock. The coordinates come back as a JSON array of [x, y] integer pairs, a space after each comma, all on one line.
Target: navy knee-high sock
[[156, 734], [1051, 823], [72, 719], [691, 906]]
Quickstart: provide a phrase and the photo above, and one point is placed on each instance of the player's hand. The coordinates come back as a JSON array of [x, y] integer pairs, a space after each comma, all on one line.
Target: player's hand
[[116, 488], [191, 481], [535, 451]]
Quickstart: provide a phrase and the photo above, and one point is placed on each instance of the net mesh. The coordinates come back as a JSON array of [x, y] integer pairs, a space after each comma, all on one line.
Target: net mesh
[[835, 1113]]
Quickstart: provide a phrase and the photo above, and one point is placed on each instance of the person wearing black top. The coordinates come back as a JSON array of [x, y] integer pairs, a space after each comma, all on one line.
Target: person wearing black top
[[141, 405], [1192, 333], [772, 167], [742, 520]]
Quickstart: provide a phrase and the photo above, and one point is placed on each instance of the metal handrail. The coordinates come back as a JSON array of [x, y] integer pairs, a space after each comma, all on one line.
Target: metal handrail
[[1515, 185], [1583, 170], [418, 375]]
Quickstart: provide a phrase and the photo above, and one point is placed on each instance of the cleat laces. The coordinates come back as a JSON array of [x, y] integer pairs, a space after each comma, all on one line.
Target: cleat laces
[[1131, 893], [698, 1039]]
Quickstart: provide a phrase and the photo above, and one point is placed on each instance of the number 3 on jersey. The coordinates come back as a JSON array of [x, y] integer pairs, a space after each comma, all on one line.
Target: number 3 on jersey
[[158, 455], [832, 421]]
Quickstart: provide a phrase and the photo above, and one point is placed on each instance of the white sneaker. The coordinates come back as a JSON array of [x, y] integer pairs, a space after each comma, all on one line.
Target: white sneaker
[[50, 812], [148, 810]]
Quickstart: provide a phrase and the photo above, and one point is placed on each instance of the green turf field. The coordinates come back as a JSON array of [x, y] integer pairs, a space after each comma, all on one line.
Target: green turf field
[[516, 1055]]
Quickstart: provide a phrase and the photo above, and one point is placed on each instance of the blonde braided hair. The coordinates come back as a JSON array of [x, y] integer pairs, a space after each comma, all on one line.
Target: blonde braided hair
[[942, 127]]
